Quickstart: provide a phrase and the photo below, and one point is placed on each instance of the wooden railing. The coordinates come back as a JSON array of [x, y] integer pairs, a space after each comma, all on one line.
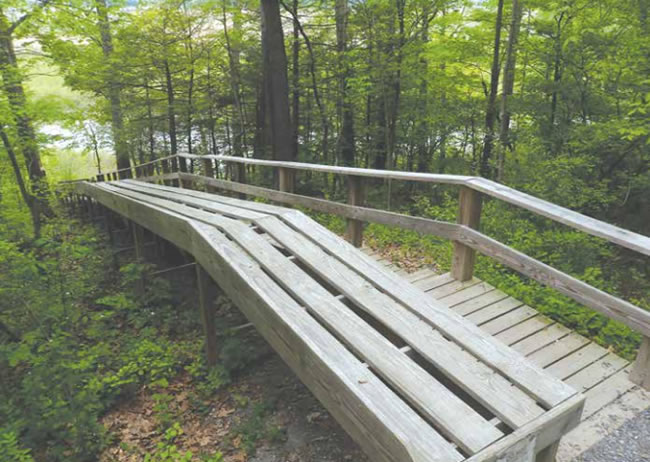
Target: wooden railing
[[464, 233]]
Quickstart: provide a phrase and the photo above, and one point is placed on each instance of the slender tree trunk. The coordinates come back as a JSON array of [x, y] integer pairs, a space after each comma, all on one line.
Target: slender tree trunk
[[295, 78], [491, 111], [12, 83], [345, 144], [391, 161], [277, 85], [238, 119], [171, 112], [30, 200], [152, 142], [114, 97], [505, 144]]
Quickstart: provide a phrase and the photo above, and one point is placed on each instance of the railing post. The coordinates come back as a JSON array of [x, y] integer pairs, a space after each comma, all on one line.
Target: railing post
[[182, 167], [207, 294], [469, 214], [286, 179], [208, 170], [354, 230], [641, 370], [165, 170]]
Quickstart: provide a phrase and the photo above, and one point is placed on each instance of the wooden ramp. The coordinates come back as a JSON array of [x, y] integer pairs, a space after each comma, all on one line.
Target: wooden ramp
[[611, 398], [408, 378]]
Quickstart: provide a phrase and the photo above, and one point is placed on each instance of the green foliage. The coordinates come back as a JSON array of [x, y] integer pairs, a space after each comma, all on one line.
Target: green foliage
[[10, 450], [256, 426]]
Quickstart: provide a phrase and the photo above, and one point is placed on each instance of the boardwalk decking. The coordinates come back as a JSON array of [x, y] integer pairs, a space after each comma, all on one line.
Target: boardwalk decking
[[603, 376], [408, 378]]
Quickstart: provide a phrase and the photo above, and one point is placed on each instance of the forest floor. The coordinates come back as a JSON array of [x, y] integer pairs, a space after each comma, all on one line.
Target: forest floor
[[264, 415]]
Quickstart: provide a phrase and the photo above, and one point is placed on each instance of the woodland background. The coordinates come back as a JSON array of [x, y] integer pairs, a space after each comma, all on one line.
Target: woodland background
[[549, 97]]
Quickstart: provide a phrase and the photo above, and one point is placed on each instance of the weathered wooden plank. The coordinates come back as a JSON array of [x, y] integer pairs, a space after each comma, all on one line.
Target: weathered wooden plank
[[542, 338], [469, 214], [558, 349], [596, 372], [448, 289], [466, 294], [579, 360], [533, 379], [470, 306], [607, 391], [534, 437], [370, 412], [484, 384], [433, 281], [420, 274], [461, 424], [493, 311], [508, 320], [524, 329]]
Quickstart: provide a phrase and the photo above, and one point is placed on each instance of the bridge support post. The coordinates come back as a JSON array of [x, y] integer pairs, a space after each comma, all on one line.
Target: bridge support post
[[469, 214], [641, 370], [548, 454], [354, 230], [207, 294], [138, 243]]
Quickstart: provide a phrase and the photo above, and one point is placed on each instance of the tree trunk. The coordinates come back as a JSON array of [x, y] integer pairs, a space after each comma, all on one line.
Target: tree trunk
[[277, 85], [239, 120], [114, 97], [491, 111], [171, 112], [295, 78], [30, 200], [345, 144], [13, 86], [508, 87]]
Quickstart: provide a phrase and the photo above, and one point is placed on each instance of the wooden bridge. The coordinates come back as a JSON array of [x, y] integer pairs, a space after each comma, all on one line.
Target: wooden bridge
[[415, 367]]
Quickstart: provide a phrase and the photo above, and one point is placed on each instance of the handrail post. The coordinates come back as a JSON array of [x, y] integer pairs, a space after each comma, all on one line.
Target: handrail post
[[469, 214], [354, 229], [182, 167], [208, 170], [286, 179], [165, 170], [640, 373]]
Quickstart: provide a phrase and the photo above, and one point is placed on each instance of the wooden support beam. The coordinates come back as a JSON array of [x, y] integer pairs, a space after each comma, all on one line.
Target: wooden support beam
[[207, 294], [138, 243], [640, 373], [354, 231], [469, 214], [548, 454], [286, 180], [208, 170]]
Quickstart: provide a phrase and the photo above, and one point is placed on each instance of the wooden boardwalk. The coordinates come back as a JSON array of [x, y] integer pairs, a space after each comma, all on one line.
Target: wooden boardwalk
[[611, 398], [406, 377]]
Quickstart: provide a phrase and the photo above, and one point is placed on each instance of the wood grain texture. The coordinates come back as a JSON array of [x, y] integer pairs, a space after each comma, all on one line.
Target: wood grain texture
[[469, 214]]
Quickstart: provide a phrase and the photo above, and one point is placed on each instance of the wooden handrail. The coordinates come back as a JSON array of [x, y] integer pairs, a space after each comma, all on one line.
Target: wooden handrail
[[467, 239], [611, 233]]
